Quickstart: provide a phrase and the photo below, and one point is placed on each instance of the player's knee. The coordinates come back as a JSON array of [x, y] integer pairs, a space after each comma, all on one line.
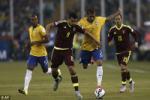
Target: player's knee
[[30, 68], [123, 68], [99, 62], [85, 66], [45, 70], [54, 70], [71, 70]]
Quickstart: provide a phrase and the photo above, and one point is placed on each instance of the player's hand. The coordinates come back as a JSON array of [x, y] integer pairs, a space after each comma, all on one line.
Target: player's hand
[[97, 42], [136, 44], [35, 43], [119, 12]]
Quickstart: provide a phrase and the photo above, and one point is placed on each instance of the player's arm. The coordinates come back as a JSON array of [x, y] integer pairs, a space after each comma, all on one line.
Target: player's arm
[[81, 30], [111, 17], [53, 24], [49, 27], [134, 35], [45, 38], [110, 37], [27, 41], [91, 36]]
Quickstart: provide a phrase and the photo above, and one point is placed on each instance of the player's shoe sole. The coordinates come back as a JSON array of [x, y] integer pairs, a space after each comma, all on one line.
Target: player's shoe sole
[[21, 91], [56, 83]]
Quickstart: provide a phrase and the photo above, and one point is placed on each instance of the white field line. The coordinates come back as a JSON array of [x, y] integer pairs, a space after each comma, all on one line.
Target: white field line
[[133, 70]]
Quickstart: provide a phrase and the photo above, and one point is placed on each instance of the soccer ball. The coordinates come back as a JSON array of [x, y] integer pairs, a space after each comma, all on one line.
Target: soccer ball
[[99, 93]]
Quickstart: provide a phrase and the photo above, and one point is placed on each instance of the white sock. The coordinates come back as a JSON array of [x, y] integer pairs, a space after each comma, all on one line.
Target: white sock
[[27, 80], [77, 92], [49, 71], [99, 75]]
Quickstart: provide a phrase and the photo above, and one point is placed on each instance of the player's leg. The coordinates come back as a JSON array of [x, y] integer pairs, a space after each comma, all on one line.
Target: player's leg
[[123, 69], [44, 64], [31, 64], [128, 75], [98, 57], [85, 58], [123, 77], [57, 59], [74, 78], [125, 74]]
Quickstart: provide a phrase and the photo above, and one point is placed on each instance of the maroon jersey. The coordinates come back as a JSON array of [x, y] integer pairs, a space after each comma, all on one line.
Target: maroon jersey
[[65, 34], [121, 37]]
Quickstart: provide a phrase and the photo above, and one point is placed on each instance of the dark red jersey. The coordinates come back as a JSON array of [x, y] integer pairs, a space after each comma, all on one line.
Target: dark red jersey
[[121, 37], [65, 34]]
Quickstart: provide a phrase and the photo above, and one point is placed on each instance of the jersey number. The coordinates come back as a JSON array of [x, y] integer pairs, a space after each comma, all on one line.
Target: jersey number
[[119, 38], [68, 34]]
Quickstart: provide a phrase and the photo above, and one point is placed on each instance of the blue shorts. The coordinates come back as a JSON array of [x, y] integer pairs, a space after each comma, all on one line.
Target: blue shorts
[[87, 55], [33, 61]]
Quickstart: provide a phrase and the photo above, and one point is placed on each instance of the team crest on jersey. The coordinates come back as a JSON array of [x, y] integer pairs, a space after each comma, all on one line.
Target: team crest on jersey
[[65, 27], [115, 33], [96, 23]]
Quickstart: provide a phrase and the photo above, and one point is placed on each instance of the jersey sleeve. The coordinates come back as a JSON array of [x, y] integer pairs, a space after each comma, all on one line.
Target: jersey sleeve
[[102, 20], [133, 33], [110, 35], [81, 23], [79, 29], [42, 31], [59, 23]]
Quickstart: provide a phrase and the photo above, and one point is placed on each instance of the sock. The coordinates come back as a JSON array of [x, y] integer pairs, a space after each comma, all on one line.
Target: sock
[[129, 76], [28, 77], [49, 71], [77, 92], [123, 76], [99, 75], [55, 75], [74, 79]]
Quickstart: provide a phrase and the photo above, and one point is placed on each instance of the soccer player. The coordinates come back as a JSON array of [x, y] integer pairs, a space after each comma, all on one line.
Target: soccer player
[[89, 49], [62, 51], [38, 53], [121, 35]]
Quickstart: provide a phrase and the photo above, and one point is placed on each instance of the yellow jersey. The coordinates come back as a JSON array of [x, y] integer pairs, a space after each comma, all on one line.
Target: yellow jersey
[[36, 34], [94, 28]]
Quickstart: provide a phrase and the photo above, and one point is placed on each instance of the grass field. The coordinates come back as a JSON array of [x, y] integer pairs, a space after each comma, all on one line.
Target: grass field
[[12, 77]]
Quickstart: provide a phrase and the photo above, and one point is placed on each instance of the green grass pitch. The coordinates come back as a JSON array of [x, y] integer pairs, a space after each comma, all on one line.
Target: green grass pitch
[[12, 78]]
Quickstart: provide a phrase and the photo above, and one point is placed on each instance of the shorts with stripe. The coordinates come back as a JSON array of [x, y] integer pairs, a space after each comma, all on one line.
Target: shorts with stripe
[[123, 57]]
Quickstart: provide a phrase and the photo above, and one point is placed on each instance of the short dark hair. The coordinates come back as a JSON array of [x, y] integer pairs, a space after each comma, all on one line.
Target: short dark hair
[[72, 15], [90, 10]]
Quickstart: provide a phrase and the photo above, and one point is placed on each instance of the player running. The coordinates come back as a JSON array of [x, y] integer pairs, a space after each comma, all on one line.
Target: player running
[[38, 53], [62, 51], [121, 35], [89, 49]]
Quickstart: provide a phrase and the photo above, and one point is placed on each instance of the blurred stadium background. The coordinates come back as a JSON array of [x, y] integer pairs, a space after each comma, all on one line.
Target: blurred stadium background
[[14, 22]]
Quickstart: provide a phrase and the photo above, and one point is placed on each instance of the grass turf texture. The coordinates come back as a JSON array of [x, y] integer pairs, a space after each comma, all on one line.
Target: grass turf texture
[[12, 78]]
